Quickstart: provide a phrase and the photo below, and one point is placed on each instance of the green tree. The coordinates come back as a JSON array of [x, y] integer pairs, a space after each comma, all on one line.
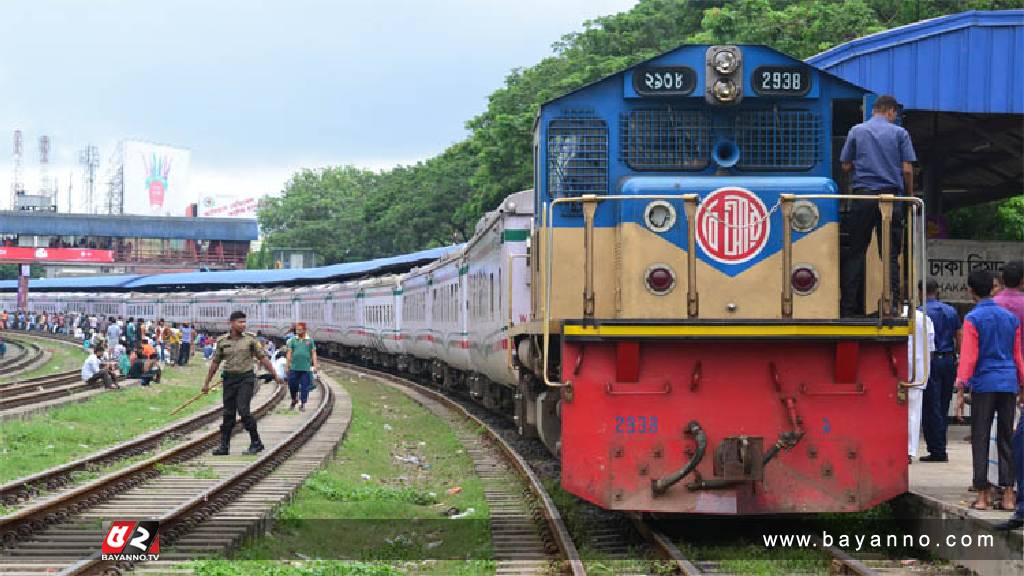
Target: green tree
[[1001, 220], [345, 213]]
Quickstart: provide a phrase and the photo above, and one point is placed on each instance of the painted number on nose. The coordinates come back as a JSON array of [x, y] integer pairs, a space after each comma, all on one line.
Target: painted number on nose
[[636, 424]]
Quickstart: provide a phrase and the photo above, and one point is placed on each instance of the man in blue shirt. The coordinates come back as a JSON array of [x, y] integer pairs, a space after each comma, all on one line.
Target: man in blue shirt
[[941, 375], [879, 154]]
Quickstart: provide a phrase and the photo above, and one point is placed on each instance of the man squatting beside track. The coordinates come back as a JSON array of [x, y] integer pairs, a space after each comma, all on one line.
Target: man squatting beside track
[[236, 350]]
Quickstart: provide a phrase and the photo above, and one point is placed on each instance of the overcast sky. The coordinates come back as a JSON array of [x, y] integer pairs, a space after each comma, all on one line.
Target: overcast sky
[[259, 89]]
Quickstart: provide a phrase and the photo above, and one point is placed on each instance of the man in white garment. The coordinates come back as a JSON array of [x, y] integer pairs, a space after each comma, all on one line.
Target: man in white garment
[[917, 365]]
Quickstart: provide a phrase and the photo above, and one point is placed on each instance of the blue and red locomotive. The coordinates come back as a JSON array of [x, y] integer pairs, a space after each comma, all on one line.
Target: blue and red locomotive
[[662, 310]]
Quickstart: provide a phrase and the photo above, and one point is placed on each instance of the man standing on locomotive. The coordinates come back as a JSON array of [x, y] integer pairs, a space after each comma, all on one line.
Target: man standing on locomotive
[[237, 349], [879, 153]]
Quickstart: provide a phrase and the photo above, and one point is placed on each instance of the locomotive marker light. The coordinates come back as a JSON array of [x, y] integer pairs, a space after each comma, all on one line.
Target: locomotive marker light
[[659, 279], [659, 216], [805, 216], [804, 279], [723, 73]]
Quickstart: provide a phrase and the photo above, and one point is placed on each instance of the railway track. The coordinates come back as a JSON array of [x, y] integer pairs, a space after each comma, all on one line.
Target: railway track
[[15, 352], [29, 355], [612, 536], [41, 389], [528, 533], [203, 504]]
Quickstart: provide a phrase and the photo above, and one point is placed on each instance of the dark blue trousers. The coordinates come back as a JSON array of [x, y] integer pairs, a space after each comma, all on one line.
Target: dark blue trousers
[[935, 404]]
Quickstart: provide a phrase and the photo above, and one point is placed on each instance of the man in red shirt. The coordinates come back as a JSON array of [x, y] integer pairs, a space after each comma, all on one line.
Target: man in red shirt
[[1010, 297], [992, 366]]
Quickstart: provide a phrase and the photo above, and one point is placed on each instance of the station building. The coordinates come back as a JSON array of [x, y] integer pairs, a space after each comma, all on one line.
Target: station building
[[960, 80], [87, 244]]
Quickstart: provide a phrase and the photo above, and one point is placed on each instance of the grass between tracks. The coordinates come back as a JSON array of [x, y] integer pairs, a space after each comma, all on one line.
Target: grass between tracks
[[340, 522], [75, 430], [63, 357]]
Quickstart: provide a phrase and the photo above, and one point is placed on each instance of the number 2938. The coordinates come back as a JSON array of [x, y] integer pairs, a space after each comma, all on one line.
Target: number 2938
[[636, 424]]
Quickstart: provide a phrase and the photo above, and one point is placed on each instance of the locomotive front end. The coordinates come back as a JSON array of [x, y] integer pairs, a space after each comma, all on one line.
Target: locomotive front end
[[687, 353]]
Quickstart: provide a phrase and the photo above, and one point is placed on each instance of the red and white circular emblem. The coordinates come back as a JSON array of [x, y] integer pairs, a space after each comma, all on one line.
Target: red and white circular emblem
[[732, 225]]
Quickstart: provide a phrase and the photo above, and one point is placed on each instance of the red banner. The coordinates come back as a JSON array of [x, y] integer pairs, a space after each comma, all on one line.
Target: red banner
[[29, 254]]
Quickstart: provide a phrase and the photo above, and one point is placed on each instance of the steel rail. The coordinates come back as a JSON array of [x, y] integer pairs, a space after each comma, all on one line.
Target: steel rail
[[182, 519], [552, 516], [22, 523], [23, 489]]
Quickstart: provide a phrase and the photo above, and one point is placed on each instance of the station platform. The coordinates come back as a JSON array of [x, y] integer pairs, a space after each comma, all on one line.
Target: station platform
[[940, 498]]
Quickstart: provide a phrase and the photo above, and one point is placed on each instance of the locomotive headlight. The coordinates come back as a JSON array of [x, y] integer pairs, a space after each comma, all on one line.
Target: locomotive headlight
[[724, 90], [659, 279], [805, 216], [804, 279], [659, 216], [725, 61]]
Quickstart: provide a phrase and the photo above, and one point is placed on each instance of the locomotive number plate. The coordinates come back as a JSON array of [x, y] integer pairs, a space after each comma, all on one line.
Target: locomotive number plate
[[781, 80], [664, 80], [636, 424]]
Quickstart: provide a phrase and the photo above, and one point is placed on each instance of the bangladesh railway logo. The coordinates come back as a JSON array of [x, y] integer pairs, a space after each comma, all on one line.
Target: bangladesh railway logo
[[732, 225], [128, 540]]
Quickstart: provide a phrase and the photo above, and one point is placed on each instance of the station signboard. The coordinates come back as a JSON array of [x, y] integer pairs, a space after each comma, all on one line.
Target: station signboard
[[30, 254]]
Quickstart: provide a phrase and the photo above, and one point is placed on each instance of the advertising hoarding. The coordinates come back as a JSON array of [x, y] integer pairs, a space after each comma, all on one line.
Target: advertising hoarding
[[156, 179], [227, 206], [30, 254]]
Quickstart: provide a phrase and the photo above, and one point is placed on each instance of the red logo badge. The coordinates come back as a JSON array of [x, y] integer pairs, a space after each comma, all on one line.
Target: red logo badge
[[130, 540], [732, 225]]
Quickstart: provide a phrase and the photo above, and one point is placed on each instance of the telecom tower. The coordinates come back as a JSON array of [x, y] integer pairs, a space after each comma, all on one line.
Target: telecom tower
[[44, 168], [17, 187], [115, 181], [89, 158]]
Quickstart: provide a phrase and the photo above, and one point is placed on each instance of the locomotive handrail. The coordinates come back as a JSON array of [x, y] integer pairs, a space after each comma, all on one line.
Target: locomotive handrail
[[912, 256], [785, 199], [591, 200]]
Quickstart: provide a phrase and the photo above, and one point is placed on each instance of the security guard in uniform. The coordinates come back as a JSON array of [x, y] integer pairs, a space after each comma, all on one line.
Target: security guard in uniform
[[237, 349]]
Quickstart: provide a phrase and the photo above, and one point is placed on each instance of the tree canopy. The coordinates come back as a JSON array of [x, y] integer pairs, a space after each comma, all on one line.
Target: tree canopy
[[349, 214]]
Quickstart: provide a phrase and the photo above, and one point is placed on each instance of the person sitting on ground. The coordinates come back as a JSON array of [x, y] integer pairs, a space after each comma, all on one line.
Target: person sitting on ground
[[992, 366], [144, 367], [280, 367], [93, 371]]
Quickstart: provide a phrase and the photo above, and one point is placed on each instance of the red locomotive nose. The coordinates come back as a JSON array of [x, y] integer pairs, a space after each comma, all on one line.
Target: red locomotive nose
[[660, 279]]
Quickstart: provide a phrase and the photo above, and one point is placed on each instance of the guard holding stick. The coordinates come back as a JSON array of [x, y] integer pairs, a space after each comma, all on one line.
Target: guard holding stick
[[237, 349]]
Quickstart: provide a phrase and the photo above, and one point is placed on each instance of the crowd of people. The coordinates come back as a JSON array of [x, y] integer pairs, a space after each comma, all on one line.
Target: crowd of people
[[980, 360]]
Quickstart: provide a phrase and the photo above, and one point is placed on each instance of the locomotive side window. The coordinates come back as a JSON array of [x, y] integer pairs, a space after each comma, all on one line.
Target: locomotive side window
[[577, 150]]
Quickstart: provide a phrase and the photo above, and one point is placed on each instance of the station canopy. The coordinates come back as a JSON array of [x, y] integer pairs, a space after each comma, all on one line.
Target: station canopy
[[35, 223], [960, 79], [199, 281]]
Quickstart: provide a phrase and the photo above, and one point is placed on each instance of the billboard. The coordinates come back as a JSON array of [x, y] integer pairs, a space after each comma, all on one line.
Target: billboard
[[226, 206], [156, 179], [30, 254]]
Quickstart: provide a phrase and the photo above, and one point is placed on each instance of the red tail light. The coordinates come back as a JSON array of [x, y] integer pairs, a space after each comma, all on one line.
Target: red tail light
[[804, 279], [660, 279]]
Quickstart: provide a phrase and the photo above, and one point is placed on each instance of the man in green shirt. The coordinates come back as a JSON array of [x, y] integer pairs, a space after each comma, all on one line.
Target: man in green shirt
[[301, 359]]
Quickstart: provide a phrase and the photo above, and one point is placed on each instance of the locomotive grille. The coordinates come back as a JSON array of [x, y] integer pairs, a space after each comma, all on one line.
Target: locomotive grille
[[577, 158], [664, 140], [778, 139]]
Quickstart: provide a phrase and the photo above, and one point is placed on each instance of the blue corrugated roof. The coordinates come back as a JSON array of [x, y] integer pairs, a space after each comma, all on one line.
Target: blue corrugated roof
[[966, 62], [237, 277], [127, 226]]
